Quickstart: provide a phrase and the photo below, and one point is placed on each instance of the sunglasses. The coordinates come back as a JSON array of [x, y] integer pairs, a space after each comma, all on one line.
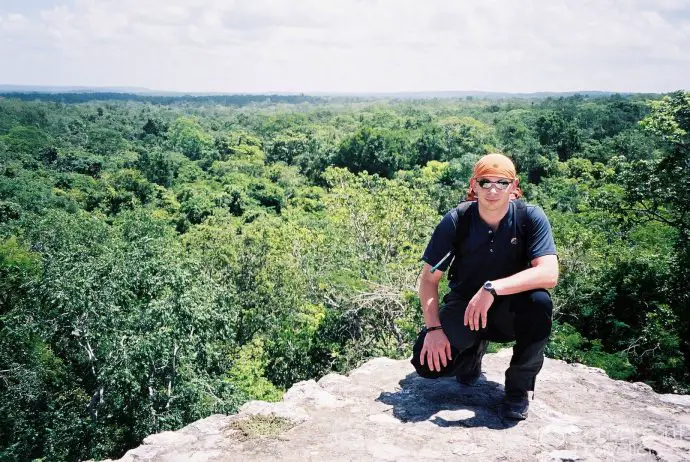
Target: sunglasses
[[500, 184]]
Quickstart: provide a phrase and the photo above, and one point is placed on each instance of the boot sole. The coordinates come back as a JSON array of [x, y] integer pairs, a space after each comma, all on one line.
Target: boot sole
[[514, 415]]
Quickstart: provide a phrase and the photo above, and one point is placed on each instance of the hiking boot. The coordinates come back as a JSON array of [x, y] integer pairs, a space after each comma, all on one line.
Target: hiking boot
[[470, 368], [515, 405]]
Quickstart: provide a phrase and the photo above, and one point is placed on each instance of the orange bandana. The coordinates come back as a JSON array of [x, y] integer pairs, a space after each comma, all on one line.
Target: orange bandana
[[494, 165]]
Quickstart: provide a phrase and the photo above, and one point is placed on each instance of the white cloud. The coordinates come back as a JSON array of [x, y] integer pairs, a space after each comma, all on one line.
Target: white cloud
[[356, 45], [12, 23]]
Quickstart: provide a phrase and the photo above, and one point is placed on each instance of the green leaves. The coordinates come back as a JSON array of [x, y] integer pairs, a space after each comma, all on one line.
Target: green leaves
[[670, 118], [140, 321], [162, 263], [374, 151], [187, 137]]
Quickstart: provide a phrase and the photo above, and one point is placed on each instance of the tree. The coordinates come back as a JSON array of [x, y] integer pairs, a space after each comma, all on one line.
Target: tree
[[187, 137], [375, 151], [659, 190], [158, 166], [556, 132], [105, 141], [287, 148], [466, 135], [28, 144], [154, 127]]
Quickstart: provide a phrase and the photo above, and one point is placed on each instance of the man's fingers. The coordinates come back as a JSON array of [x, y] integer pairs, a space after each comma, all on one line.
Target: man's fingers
[[485, 315], [466, 319], [430, 360], [476, 319], [436, 356]]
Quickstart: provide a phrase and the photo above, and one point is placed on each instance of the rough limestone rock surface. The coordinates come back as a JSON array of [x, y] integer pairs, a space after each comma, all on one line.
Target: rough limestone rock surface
[[384, 411]]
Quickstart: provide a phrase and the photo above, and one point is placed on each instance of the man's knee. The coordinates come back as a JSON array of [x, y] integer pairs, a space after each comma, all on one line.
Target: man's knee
[[423, 369], [535, 315], [541, 301], [459, 335]]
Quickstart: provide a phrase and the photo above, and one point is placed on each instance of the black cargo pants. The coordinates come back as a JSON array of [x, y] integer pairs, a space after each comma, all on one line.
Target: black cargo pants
[[524, 318]]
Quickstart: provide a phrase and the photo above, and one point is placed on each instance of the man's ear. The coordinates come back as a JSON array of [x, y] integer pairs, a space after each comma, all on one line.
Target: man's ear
[[474, 185], [516, 183]]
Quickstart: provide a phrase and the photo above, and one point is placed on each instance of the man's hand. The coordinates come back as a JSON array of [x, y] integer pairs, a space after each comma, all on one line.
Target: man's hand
[[436, 350], [478, 308]]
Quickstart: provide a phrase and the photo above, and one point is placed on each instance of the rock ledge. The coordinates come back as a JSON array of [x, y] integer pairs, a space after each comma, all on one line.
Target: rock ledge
[[383, 411]]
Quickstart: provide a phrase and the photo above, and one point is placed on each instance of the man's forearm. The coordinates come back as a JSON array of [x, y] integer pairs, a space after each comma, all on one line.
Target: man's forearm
[[539, 277], [428, 296]]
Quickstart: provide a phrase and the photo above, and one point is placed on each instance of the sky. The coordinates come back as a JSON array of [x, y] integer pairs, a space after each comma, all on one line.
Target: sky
[[349, 46]]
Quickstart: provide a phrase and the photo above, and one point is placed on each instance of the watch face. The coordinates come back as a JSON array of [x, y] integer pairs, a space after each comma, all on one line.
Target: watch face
[[488, 285]]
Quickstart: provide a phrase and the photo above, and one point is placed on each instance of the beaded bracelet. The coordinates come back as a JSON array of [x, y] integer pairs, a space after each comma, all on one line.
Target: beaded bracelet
[[429, 329]]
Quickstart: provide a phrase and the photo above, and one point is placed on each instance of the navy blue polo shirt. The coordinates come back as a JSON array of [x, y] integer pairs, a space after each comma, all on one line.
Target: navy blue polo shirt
[[486, 254]]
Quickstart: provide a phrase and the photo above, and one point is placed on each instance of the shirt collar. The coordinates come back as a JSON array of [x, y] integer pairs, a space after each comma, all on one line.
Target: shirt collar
[[505, 222]]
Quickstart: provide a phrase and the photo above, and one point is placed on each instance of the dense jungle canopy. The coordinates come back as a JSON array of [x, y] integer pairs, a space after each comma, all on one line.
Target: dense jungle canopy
[[161, 261]]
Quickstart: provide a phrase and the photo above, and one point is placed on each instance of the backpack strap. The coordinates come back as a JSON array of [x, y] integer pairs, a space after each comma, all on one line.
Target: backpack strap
[[522, 227], [462, 226], [462, 230]]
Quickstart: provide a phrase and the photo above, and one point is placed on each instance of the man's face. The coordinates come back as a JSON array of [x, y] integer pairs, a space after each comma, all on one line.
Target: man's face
[[489, 193]]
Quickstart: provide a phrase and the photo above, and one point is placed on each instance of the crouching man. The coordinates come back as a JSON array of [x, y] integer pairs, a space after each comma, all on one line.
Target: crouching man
[[503, 259]]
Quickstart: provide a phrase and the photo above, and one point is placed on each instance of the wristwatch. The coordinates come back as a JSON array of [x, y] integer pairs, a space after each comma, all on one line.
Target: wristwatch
[[489, 287]]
